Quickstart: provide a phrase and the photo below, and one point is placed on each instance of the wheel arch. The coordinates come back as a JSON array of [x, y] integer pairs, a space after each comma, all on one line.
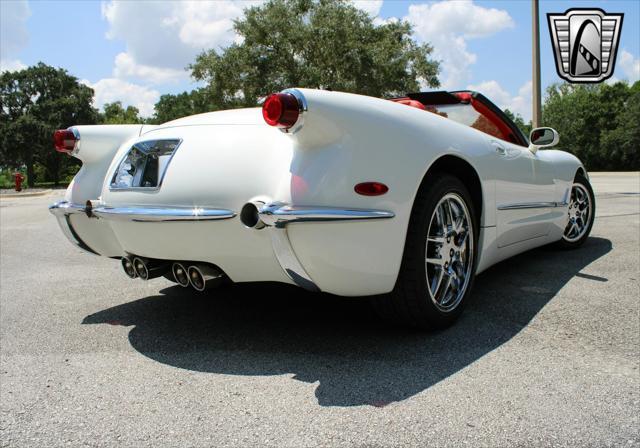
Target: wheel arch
[[581, 172], [463, 170]]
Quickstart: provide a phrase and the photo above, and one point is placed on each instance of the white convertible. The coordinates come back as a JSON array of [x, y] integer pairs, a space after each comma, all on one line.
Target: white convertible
[[405, 199]]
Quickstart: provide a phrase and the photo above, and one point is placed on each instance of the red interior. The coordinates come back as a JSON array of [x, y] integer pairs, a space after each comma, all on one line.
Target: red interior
[[409, 102], [486, 112], [482, 109]]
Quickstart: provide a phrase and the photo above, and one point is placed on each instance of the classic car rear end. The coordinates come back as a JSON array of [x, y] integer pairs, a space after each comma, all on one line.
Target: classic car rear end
[[210, 175], [333, 192]]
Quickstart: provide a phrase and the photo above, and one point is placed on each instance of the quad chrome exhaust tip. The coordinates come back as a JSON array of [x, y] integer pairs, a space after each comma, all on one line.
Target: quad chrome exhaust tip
[[203, 276], [128, 268], [180, 274], [148, 269]]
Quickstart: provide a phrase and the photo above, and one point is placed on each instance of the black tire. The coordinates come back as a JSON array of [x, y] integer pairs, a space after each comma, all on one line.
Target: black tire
[[565, 243], [410, 303]]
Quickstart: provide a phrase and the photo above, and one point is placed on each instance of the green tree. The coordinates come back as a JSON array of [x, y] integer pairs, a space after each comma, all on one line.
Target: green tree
[[317, 44], [519, 121], [598, 123], [170, 107], [34, 102], [114, 113], [620, 145]]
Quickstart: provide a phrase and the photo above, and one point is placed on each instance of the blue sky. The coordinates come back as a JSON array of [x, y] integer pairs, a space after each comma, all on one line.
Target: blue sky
[[135, 51]]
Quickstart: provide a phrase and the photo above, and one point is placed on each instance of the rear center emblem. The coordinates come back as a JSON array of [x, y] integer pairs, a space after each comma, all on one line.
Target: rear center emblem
[[585, 42]]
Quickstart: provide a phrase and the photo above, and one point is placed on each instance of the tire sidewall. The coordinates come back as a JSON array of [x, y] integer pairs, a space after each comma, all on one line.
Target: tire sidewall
[[444, 184], [582, 180]]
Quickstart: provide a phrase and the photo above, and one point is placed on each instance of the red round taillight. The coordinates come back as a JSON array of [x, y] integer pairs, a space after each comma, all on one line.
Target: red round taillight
[[371, 188], [281, 110], [65, 140]]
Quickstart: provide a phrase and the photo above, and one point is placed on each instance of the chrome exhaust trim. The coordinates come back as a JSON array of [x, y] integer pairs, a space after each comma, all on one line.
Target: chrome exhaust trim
[[250, 215], [149, 269], [203, 276], [180, 274], [128, 268]]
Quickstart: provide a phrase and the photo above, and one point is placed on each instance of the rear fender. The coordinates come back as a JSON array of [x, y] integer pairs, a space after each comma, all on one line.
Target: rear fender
[[96, 147]]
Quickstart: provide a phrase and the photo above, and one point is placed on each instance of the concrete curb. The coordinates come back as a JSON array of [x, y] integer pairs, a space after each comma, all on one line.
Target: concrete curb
[[24, 195]]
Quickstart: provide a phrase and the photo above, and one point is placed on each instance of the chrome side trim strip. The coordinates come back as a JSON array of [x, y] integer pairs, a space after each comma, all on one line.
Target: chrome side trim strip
[[526, 205], [64, 208], [162, 214], [61, 210], [289, 261], [70, 233], [279, 214]]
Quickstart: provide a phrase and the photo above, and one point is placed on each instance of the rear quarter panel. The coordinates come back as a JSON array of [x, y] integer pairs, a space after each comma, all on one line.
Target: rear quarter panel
[[347, 139]]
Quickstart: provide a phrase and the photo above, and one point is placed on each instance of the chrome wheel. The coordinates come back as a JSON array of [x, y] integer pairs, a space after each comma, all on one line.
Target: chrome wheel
[[580, 211], [449, 252]]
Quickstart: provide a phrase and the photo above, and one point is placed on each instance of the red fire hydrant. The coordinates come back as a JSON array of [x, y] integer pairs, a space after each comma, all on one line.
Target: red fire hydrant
[[19, 178]]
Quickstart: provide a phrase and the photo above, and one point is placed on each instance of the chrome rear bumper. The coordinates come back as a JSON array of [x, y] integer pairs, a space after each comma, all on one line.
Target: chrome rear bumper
[[275, 215], [143, 213], [162, 214], [279, 214]]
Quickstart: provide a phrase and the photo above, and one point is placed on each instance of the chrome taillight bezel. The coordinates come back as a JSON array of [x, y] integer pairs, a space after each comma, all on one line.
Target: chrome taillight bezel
[[302, 109]]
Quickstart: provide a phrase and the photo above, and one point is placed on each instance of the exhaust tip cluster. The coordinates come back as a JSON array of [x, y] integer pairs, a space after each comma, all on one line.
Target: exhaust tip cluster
[[198, 276], [180, 274], [128, 268]]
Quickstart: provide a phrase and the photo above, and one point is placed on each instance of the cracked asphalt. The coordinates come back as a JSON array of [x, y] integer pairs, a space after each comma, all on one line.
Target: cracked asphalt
[[546, 354]]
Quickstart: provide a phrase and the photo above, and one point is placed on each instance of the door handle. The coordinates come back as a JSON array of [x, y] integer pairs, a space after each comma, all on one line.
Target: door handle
[[500, 150]]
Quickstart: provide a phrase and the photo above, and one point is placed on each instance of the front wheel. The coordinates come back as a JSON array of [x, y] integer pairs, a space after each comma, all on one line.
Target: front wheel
[[582, 212], [439, 259]]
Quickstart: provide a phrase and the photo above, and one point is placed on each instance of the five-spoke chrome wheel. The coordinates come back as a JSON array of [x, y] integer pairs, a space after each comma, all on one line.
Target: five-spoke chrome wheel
[[580, 211], [449, 252]]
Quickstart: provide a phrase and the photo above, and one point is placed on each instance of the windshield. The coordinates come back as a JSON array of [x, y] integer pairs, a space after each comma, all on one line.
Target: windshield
[[467, 115]]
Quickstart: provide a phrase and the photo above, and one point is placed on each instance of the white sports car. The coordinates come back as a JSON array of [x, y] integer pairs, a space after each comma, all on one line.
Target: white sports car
[[405, 199]]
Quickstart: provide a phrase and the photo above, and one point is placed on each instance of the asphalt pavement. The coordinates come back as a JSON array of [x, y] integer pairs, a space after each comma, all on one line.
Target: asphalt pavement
[[546, 354]]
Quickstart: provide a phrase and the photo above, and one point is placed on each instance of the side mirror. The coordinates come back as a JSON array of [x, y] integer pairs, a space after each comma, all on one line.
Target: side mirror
[[543, 138]]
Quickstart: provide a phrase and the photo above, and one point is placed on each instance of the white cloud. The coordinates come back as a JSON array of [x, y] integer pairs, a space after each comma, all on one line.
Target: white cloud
[[630, 66], [11, 65], [109, 90], [519, 104], [162, 38], [448, 26], [371, 7], [127, 68], [13, 33]]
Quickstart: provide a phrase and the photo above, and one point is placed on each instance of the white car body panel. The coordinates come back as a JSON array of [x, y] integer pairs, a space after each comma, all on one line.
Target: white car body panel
[[229, 158]]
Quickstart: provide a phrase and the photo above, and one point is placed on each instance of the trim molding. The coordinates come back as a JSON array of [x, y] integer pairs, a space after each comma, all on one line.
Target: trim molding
[[278, 215], [526, 205], [162, 214], [142, 213]]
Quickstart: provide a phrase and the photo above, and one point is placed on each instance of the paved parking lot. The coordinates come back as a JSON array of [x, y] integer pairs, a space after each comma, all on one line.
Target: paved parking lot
[[547, 353]]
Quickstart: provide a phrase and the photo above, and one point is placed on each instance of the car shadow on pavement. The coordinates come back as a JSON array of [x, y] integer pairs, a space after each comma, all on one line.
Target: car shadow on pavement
[[356, 359]]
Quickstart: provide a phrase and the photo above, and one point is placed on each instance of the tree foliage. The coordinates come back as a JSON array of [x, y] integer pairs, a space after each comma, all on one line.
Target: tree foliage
[[326, 44], [171, 107], [519, 121], [34, 102], [600, 123], [114, 113]]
